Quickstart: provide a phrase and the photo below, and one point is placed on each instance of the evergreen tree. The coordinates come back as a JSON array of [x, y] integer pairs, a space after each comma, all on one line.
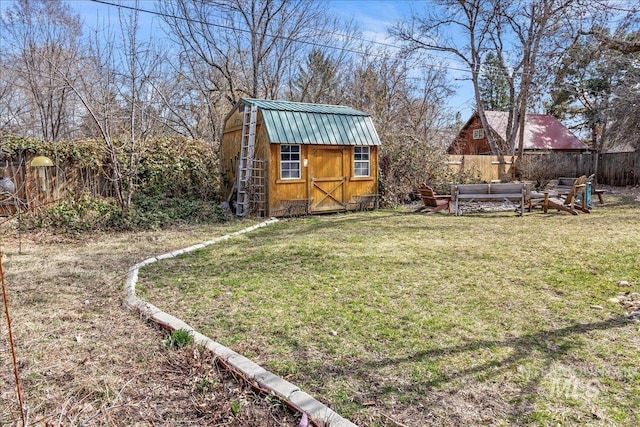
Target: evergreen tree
[[494, 85], [594, 90], [317, 79]]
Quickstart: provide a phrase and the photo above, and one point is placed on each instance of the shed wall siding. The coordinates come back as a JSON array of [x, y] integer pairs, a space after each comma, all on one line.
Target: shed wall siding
[[321, 173], [285, 189], [230, 149]]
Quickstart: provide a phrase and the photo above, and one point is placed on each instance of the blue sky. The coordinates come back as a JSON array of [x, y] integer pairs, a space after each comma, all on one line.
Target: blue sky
[[372, 16]]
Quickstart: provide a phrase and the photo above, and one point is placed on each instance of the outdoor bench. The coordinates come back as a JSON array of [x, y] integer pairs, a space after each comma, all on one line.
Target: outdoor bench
[[466, 193]]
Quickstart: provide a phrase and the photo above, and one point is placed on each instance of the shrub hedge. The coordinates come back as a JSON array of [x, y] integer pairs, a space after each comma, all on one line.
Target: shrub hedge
[[174, 180]]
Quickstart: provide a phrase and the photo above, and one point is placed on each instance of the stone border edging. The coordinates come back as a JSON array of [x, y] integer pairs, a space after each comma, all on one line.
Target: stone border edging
[[284, 390]]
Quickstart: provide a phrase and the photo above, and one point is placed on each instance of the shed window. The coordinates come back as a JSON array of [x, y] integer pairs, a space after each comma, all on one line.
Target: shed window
[[290, 161], [361, 161], [478, 133]]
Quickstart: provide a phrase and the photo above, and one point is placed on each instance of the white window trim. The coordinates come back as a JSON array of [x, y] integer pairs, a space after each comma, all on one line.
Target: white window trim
[[356, 162], [478, 133], [291, 162]]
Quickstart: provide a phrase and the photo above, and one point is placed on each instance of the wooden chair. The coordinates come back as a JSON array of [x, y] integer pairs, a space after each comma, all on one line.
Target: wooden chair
[[594, 190], [433, 202], [567, 203]]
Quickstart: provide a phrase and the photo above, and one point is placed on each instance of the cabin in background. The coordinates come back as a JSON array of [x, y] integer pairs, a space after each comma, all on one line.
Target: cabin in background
[[281, 158], [542, 133]]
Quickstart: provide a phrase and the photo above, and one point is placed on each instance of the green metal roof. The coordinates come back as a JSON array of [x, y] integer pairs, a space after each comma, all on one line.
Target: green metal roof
[[301, 123]]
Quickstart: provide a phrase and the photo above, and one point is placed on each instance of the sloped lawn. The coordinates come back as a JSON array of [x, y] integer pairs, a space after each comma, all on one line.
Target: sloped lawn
[[397, 318]]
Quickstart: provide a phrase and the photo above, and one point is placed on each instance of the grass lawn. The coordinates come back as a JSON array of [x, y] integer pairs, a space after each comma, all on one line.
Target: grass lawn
[[397, 318]]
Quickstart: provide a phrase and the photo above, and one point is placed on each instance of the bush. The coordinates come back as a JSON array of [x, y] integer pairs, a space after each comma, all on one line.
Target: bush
[[538, 168], [76, 215], [406, 162], [179, 167], [157, 211], [87, 213], [175, 180]]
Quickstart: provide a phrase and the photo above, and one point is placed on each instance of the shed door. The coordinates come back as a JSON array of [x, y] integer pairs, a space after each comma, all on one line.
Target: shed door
[[327, 179]]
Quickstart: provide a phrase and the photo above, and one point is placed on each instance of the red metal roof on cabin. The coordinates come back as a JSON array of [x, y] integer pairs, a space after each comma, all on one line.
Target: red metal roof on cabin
[[541, 132]]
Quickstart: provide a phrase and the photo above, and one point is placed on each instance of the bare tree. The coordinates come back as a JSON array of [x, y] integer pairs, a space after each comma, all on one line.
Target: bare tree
[[138, 70], [624, 42], [13, 105], [621, 51], [622, 46], [236, 48], [407, 107], [182, 107], [596, 81], [439, 30], [625, 113], [624, 98], [44, 35], [519, 36], [113, 83], [97, 89], [538, 27]]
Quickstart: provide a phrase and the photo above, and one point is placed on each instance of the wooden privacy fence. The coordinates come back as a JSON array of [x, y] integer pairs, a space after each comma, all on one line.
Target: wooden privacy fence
[[617, 169], [484, 168], [37, 187]]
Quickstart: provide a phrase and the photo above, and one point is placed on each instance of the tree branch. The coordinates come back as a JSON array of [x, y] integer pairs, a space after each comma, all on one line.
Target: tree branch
[[623, 46]]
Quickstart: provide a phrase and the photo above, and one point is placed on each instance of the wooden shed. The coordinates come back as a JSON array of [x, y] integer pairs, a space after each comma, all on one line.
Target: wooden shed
[[282, 158]]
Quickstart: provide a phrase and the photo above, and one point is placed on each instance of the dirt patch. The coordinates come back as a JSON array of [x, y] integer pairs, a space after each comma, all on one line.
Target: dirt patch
[[85, 360]]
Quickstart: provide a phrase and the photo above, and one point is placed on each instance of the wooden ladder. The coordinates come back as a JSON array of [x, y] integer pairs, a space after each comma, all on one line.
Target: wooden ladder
[[258, 202], [245, 163]]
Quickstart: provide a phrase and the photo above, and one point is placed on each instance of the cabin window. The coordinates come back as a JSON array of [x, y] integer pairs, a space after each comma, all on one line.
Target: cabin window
[[289, 161], [361, 161], [478, 133]]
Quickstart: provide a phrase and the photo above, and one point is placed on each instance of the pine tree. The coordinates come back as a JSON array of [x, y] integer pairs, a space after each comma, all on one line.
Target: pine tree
[[494, 85], [317, 80]]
